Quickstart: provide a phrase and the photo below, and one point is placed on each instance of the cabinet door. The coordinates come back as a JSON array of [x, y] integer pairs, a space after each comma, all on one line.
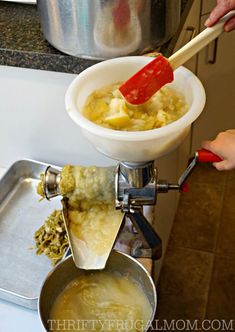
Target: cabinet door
[[190, 30], [216, 70], [207, 6]]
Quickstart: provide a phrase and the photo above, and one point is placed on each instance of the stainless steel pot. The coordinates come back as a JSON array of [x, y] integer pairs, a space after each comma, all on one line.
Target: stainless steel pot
[[66, 271], [101, 29]]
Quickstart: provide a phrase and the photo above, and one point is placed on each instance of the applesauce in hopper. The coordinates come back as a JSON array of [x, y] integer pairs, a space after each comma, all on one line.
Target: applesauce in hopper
[[107, 108], [91, 205]]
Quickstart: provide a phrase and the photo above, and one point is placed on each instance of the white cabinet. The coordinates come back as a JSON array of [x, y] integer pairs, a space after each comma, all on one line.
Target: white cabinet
[[216, 70], [177, 161], [190, 30], [215, 67], [207, 6]]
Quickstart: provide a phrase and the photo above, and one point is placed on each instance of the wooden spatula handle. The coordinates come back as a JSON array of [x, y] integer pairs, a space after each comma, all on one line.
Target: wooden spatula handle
[[200, 41]]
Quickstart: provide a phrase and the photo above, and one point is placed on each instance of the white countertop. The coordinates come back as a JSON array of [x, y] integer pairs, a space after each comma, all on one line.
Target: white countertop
[[36, 126], [15, 318], [2, 170]]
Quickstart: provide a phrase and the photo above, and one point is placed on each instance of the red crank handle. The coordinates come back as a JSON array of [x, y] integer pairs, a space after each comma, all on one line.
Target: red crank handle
[[201, 156], [205, 156]]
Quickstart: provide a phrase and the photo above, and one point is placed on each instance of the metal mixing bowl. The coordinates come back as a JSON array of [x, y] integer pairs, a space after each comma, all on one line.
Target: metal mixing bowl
[[66, 271]]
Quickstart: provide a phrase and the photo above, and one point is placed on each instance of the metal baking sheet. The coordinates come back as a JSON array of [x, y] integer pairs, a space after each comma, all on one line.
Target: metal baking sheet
[[21, 214]]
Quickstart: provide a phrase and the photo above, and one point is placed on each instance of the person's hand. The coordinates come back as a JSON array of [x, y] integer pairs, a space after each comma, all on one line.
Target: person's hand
[[222, 8], [224, 147]]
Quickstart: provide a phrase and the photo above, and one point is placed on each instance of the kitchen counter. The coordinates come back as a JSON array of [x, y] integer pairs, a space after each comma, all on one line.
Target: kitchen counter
[[22, 43], [39, 95]]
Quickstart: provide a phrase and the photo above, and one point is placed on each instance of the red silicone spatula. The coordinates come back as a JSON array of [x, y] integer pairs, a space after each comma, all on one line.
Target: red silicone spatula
[[139, 88]]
